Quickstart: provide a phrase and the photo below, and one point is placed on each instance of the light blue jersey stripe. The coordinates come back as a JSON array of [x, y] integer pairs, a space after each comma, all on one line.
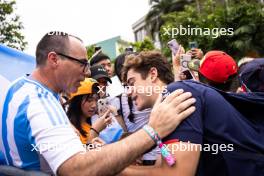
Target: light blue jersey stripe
[[53, 108], [43, 87], [23, 137], [62, 112], [42, 100], [43, 94], [56, 105], [12, 90]]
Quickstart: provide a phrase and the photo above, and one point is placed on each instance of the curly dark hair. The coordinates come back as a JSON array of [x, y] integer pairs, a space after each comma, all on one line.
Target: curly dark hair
[[144, 61]]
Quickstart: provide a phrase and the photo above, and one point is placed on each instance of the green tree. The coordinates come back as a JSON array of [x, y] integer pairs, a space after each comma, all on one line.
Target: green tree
[[162, 7], [145, 45], [10, 26], [90, 51], [245, 19]]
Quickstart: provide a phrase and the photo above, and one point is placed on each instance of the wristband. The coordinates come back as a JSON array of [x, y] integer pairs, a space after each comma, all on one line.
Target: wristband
[[166, 154], [95, 131], [151, 132], [164, 151]]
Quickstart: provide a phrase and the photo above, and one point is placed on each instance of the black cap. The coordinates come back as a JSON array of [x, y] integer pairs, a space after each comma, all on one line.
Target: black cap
[[98, 71], [252, 75], [99, 57]]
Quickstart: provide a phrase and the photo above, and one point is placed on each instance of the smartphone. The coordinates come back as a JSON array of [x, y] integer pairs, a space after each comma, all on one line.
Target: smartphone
[[102, 105], [184, 60], [174, 46], [193, 45], [188, 74]]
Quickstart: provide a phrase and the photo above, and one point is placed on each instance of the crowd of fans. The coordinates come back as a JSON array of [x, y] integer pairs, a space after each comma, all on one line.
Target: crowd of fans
[[111, 109]]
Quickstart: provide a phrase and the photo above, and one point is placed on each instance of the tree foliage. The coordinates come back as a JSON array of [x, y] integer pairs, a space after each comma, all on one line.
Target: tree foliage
[[162, 7], [90, 51], [245, 18], [144, 45], [10, 26]]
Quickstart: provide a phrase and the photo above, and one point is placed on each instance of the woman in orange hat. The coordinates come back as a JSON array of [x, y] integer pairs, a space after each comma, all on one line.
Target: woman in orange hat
[[82, 106]]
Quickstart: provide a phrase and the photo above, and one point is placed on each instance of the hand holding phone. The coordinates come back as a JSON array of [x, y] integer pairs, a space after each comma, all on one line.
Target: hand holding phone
[[102, 105], [174, 46], [184, 59], [102, 122], [193, 45]]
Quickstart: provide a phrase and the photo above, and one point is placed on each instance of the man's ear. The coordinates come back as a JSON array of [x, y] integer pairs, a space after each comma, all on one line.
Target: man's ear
[[153, 73], [52, 59]]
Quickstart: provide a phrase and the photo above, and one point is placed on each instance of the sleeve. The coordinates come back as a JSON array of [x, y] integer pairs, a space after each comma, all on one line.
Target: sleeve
[[55, 137], [191, 129]]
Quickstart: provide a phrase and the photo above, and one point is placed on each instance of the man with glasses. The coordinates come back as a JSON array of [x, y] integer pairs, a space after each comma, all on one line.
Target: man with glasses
[[36, 133], [83, 62]]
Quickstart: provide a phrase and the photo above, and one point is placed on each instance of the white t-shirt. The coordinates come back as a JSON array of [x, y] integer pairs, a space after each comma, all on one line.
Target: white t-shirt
[[141, 118], [35, 128]]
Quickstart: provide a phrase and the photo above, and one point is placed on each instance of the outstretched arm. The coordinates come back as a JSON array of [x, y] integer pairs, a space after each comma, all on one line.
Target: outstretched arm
[[164, 118]]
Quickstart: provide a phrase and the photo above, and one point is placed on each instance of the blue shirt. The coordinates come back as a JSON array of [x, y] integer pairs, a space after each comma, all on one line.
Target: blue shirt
[[35, 131], [2, 158], [235, 121]]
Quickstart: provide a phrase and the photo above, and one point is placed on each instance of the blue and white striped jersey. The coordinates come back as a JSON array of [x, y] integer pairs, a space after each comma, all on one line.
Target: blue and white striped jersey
[[34, 127]]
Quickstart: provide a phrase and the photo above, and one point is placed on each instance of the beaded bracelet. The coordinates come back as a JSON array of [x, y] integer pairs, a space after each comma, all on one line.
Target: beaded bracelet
[[164, 152]]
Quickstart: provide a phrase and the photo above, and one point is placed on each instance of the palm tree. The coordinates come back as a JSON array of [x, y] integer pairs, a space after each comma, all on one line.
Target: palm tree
[[162, 7]]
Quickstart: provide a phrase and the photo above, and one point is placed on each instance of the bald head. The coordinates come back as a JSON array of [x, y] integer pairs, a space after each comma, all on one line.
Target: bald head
[[76, 47], [57, 42]]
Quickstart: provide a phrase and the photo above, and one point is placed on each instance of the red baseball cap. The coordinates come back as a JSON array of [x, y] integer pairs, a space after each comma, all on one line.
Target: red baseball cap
[[217, 66]]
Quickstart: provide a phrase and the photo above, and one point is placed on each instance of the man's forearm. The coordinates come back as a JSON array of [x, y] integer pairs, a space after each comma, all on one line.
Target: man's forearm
[[112, 158]]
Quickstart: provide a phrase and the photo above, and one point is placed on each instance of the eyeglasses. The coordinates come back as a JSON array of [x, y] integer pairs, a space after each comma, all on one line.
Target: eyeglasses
[[85, 63]]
